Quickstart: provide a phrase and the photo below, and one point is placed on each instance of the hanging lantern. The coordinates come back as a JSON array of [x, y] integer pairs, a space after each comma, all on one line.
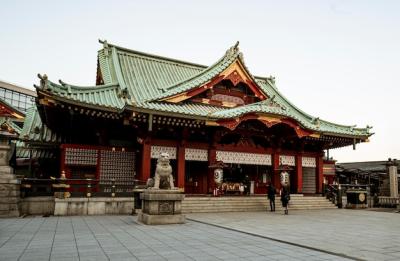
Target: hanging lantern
[[218, 176], [284, 178]]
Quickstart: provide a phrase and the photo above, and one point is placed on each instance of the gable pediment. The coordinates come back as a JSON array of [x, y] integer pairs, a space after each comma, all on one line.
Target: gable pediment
[[233, 86]]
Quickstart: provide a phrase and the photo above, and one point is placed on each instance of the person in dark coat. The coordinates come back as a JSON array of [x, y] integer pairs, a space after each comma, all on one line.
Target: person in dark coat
[[271, 196], [285, 197]]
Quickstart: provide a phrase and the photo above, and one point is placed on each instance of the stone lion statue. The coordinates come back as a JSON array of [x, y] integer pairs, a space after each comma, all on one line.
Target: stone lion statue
[[163, 178]]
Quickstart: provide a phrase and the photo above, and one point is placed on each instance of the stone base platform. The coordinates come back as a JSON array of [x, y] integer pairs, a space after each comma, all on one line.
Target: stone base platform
[[161, 219], [161, 207], [93, 206]]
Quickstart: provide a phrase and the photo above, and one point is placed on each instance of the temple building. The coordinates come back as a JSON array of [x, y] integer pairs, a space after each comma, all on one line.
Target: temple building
[[144, 104]]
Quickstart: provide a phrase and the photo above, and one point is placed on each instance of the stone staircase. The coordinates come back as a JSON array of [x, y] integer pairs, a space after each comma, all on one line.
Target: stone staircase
[[9, 193], [208, 204]]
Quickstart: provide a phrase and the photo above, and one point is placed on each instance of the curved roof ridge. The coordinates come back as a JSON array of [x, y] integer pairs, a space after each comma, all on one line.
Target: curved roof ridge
[[109, 95], [63, 86], [154, 56], [309, 117], [232, 52], [84, 88], [252, 107], [283, 97], [209, 73]]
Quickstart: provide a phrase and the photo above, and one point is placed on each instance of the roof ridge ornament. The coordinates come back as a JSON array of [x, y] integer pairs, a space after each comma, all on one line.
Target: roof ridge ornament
[[233, 50], [316, 121], [105, 47], [368, 128], [124, 94], [269, 102], [271, 79], [62, 82], [43, 81]]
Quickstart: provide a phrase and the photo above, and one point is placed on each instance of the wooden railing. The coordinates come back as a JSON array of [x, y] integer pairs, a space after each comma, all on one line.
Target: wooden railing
[[32, 187]]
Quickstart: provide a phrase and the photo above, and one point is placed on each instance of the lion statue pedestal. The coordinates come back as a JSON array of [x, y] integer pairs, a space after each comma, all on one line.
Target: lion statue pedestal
[[162, 202]]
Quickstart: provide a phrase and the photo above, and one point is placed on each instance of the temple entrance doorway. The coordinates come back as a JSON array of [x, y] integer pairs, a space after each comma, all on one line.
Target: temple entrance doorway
[[196, 177], [253, 179]]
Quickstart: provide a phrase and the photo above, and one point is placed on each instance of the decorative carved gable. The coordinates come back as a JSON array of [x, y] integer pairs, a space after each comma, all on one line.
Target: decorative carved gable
[[210, 93]]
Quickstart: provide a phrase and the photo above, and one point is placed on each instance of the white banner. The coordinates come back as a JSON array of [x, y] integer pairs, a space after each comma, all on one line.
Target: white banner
[[287, 160], [157, 150], [244, 158], [308, 162], [196, 154]]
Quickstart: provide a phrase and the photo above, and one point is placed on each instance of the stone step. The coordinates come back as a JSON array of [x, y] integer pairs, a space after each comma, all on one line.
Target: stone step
[[9, 193], [252, 205], [246, 204], [251, 201], [248, 201], [8, 213], [6, 170], [244, 210], [5, 206], [185, 203], [11, 200], [248, 198], [4, 180], [211, 210]]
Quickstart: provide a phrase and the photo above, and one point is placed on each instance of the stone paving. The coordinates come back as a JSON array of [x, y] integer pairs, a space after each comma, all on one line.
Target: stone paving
[[362, 234], [122, 238]]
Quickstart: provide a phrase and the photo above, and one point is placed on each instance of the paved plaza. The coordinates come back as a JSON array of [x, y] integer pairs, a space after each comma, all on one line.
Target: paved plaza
[[362, 234], [303, 235]]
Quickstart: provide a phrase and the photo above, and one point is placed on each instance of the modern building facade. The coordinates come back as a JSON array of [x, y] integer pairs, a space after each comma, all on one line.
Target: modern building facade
[[144, 104], [19, 97]]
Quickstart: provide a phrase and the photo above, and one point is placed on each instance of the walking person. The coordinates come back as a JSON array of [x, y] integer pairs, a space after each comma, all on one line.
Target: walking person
[[271, 196], [285, 197]]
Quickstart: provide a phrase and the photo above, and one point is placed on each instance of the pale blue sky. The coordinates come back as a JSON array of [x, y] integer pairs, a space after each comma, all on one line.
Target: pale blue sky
[[337, 60]]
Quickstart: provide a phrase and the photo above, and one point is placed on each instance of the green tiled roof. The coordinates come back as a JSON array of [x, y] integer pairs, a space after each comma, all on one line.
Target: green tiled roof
[[138, 80], [10, 123], [107, 96], [202, 77], [35, 131], [143, 75], [193, 109], [25, 151], [308, 123]]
